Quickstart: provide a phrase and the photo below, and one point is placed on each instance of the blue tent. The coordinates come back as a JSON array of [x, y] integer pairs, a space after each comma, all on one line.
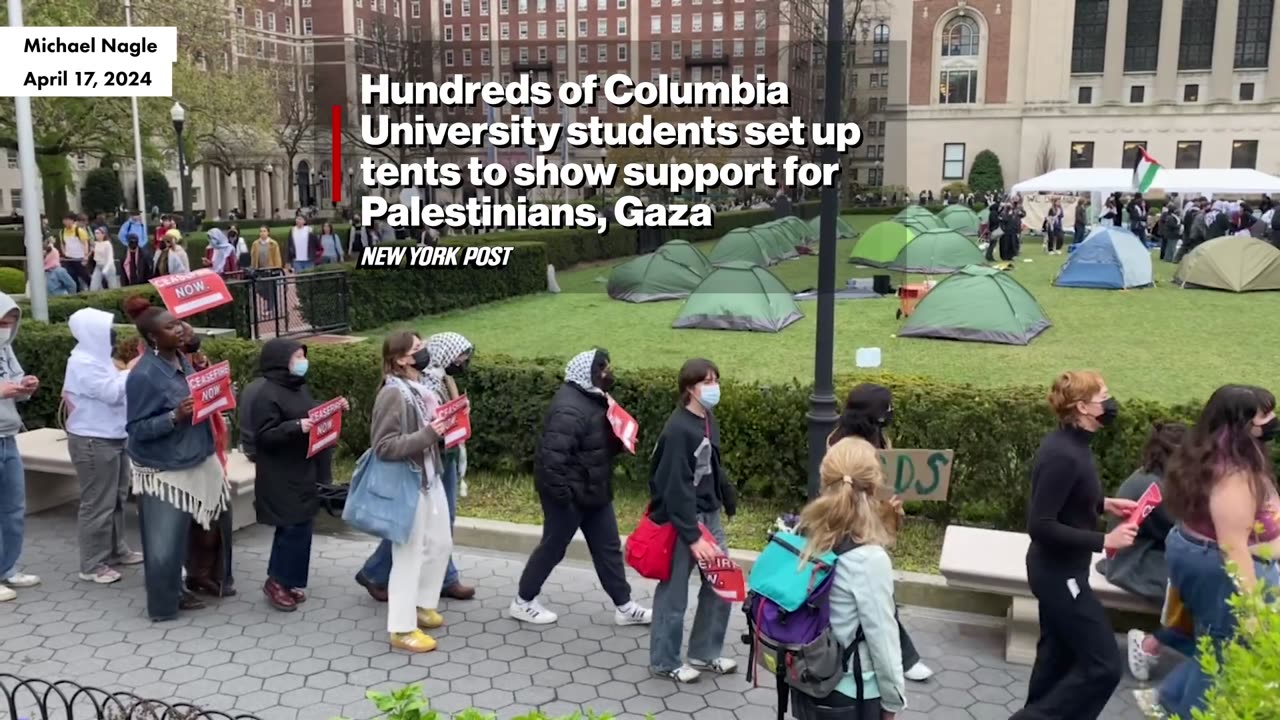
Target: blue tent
[[1110, 258]]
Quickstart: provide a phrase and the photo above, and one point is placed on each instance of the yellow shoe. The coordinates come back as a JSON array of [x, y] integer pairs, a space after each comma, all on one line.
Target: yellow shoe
[[415, 641], [429, 619]]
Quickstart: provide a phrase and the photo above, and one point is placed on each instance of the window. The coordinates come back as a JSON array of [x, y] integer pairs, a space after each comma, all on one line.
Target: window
[[958, 87], [622, 52], [582, 28], [448, 8], [1085, 95], [466, 8], [677, 50], [582, 53], [562, 28], [560, 5], [288, 25], [602, 53], [1081, 154], [504, 31], [562, 54], [466, 57], [466, 32], [677, 24], [12, 158], [717, 48], [448, 58], [622, 4], [655, 51], [448, 30], [542, 54], [1244, 154], [505, 53], [522, 30], [880, 56], [1089, 36], [759, 49], [542, 29], [1195, 44], [695, 49], [622, 27], [484, 8], [523, 7], [504, 6], [762, 19], [739, 20], [739, 49], [1246, 92], [960, 38], [15, 198], [1142, 35], [1129, 157], [271, 22], [1253, 33], [484, 31], [524, 55], [602, 28], [1188, 155], [542, 6], [697, 22], [306, 26], [486, 57], [1191, 92], [239, 15], [717, 22], [258, 49], [1137, 94], [881, 37]]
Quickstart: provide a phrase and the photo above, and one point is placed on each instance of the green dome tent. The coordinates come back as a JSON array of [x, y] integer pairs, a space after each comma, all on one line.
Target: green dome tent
[[780, 240], [979, 304], [745, 245], [801, 228], [795, 235], [936, 252], [739, 296], [912, 211], [921, 223], [670, 273], [880, 245], [960, 219], [1234, 263], [843, 228]]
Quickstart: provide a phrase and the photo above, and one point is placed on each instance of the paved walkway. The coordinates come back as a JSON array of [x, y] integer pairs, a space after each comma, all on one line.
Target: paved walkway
[[317, 663]]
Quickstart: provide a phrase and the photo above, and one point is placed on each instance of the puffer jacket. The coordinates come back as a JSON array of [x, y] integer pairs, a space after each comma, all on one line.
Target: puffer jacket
[[574, 460]]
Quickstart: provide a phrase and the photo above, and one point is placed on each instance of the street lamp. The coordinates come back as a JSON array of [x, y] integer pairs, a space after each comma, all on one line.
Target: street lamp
[[271, 190], [351, 189], [115, 167], [179, 116], [822, 414]]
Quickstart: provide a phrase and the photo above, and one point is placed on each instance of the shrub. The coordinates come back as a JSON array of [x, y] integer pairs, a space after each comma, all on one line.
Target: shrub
[[159, 194], [1247, 672], [12, 281], [994, 431], [409, 703], [986, 175], [102, 192], [956, 188]]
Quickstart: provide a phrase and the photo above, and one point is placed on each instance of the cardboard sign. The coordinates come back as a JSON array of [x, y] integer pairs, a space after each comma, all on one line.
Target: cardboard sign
[[186, 294], [1147, 504], [725, 575], [624, 426], [918, 474], [457, 417], [326, 425], [211, 390]]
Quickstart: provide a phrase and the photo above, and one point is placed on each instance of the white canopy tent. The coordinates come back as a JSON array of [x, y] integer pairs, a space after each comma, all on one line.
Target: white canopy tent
[[1215, 181]]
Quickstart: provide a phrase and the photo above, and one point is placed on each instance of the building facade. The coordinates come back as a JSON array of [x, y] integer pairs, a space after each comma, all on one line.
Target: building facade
[[1047, 84]]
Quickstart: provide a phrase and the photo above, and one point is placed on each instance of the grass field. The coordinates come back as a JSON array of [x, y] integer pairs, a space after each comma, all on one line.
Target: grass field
[[1161, 343]]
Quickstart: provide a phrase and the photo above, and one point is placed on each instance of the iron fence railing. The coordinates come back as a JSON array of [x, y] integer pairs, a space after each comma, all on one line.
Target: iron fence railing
[[34, 699]]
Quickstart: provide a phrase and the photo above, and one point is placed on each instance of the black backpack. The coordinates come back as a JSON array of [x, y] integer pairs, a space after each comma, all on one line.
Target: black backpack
[[244, 402]]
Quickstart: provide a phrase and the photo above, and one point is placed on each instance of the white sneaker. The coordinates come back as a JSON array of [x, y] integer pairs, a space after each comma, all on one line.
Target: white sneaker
[[102, 575], [531, 612], [6, 594], [22, 580], [632, 614], [719, 666], [1149, 703], [683, 674], [919, 672], [1139, 661]]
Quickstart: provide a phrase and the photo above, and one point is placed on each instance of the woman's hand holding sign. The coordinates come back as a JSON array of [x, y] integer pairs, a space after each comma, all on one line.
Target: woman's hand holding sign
[[184, 409]]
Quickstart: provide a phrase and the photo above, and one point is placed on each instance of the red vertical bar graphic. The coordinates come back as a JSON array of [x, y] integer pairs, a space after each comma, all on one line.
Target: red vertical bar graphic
[[335, 177]]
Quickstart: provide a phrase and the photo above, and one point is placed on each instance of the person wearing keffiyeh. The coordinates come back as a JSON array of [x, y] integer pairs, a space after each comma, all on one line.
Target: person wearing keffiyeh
[[450, 354]]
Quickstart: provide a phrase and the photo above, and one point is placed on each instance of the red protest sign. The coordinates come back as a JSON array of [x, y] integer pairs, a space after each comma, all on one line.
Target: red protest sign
[[624, 426], [725, 575], [1147, 504], [186, 294], [456, 415], [326, 425], [211, 391]]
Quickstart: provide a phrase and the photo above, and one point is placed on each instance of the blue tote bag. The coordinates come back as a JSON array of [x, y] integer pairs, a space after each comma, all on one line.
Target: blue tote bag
[[383, 498]]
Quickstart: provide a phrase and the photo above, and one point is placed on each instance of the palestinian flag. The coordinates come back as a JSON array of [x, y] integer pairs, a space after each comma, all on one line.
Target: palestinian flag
[[1144, 171]]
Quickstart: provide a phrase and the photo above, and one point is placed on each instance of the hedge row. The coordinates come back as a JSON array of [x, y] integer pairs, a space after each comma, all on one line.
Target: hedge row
[[994, 431]]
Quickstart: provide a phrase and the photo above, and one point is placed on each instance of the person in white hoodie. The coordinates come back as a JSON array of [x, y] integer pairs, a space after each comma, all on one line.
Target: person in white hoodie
[[15, 385], [93, 391]]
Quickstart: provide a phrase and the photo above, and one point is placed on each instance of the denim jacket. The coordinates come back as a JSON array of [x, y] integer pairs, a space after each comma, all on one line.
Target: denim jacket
[[153, 391]]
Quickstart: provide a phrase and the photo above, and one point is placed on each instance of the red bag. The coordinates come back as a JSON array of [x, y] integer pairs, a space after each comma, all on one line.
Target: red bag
[[650, 548]]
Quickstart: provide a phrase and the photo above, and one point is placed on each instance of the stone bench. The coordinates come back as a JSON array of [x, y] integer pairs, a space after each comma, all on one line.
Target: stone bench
[[994, 562], [51, 479]]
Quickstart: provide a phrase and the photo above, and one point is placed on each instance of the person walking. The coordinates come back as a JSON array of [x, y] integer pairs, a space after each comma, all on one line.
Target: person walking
[[104, 262], [1078, 664], [176, 472], [573, 474], [330, 245], [93, 391], [57, 279], [404, 428], [137, 264], [133, 226], [1138, 217], [1053, 228], [15, 386], [688, 488], [75, 251], [304, 246], [221, 256], [285, 478], [1081, 221]]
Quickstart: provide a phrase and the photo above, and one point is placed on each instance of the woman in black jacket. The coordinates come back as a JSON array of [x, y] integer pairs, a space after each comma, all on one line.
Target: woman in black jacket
[[285, 478], [573, 474]]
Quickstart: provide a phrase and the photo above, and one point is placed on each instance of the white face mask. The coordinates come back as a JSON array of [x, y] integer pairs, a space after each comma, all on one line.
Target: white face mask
[[5, 335]]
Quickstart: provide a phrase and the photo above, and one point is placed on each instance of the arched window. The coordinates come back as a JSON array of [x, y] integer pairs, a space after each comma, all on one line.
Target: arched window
[[881, 36], [960, 38]]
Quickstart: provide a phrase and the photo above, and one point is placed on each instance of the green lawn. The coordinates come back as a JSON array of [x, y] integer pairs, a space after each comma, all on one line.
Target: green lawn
[[1161, 343]]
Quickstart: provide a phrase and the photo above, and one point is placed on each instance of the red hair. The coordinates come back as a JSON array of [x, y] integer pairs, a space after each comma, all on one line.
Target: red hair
[[134, 306]]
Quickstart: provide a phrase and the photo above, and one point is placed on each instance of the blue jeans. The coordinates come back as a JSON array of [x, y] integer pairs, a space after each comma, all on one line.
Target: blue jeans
[[13, 506], [710, 621], [165, 534], [377, 569], [59, 282], [291, 555], [1198, 572], [300, 265]]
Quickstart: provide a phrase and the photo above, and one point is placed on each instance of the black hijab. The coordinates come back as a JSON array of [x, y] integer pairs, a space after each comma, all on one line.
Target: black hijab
[[273, 362]]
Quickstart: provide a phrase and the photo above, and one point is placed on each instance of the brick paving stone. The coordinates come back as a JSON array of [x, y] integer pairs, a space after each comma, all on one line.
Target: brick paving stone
[[239, 655]]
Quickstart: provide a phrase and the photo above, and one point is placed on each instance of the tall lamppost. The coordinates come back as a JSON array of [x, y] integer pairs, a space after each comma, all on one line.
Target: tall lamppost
[[351, 190], [822, 415], [179, 116], [271, 191], [115, 167]]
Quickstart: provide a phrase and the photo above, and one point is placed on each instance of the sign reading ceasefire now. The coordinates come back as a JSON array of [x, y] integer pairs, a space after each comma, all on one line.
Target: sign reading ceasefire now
[[918, 474]]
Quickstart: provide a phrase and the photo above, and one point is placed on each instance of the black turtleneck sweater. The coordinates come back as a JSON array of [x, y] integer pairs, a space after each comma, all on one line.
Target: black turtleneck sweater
[[1066, 501]]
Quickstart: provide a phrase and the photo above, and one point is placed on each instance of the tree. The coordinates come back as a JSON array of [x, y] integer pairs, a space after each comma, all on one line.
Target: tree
[[652, 155], [102, 192], [159, 194], [297, 120], [985, 176]]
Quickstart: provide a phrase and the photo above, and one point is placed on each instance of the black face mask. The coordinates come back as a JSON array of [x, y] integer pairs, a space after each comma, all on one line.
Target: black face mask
[[1110, 410], [1270, 430], [192, 346], [421, 359], [456, 369]]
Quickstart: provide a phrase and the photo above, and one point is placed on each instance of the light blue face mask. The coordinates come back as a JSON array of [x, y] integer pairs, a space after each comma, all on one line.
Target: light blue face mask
[[709, 397], [299, 367]]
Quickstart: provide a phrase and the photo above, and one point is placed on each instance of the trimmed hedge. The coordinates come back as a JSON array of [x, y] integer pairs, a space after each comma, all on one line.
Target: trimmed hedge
[[994, 431]]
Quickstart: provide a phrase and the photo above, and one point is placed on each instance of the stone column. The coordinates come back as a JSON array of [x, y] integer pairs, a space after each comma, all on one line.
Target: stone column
[[257, 192], [1221, 86], [1113, 69], [227, 197], [1272, 89], [1167, 61]]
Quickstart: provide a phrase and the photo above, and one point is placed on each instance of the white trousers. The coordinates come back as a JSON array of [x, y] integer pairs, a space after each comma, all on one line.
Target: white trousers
[[418, 566]]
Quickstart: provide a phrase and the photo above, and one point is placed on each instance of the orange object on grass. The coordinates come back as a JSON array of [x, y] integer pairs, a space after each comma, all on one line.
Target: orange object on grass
[[909, 295]]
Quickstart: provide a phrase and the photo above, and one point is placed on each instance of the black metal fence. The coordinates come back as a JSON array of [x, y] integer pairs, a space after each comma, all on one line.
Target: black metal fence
[[270, 303], [31, 699]]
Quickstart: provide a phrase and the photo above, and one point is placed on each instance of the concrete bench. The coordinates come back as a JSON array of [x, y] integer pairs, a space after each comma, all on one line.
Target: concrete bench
[[994, 562], [51, 478]]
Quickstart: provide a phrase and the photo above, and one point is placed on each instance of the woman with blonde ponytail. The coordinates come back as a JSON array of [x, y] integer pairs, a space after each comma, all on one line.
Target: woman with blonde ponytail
[[847, 518]]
